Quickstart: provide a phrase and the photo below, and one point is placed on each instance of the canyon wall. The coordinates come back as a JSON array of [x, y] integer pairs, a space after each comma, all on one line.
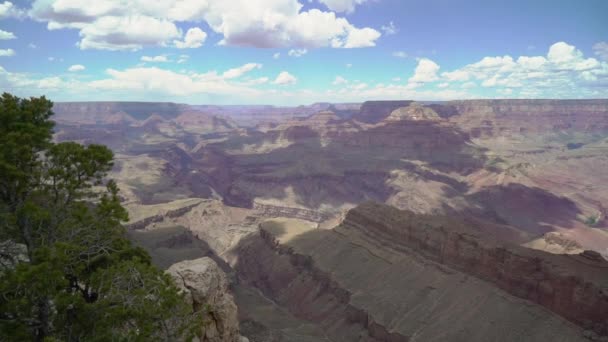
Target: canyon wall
[[573, 286], [361, 281], [484, 118]]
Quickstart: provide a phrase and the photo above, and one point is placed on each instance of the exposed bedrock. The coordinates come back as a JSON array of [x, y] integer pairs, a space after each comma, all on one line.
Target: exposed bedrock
[[573, 286], [391, 275], [205, 287]]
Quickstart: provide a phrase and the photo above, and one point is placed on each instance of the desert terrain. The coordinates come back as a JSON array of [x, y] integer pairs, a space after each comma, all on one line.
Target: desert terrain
[[380, 221]]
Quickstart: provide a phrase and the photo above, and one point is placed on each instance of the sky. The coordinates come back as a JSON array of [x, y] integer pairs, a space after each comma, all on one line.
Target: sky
[[293, 52]]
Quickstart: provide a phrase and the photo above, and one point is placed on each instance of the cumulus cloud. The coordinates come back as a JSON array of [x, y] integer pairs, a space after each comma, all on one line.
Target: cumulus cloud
[[285, 78], [7, 52], [342, 5], [155, 59], [195, 37], [563, 71], [76, 68], [126, 33], [132, 24], [8, 9], [426, 71], [5, 35], [240, 71], [297, 52], [601, 50]]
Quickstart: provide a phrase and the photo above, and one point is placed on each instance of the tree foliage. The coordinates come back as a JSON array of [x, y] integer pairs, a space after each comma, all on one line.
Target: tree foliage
[[67, 271]]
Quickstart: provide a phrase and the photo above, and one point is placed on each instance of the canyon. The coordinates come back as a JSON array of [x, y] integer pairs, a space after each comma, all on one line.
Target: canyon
[[468, 220]]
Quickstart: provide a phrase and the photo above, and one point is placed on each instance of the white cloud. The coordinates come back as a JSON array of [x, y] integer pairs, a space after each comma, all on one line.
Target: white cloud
[[155, 59], [32, 46], [7, 9], [561, 52], [443, 85], [339, 80], [126, 33], [358, 86], [458, 75], [160, 81], [601, 50], [7, 52], [389, 29], [210, 87], [5, 35], [132, 24], [342, 5], [349, 65], [76, 68], [468, 85], [195, 37], [426, 71], [297, 52], [285, 78], [564, 71], [276, 55], [359, 38], [256, 81], [240, 71], [400, 54]]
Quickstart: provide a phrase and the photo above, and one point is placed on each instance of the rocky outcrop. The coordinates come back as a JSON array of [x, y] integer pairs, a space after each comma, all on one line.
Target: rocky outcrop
[[375, 111], [206, 289], [266, 210], [573, 286], [414, 112], [143, 223], [359, 283]]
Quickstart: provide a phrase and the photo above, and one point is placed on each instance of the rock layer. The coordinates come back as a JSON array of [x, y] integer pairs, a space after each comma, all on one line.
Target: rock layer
[[573, 286], [364, 281]]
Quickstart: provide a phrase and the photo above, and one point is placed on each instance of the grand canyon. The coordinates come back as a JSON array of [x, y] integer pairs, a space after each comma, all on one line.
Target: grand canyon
[[467, 220], [304, 171]]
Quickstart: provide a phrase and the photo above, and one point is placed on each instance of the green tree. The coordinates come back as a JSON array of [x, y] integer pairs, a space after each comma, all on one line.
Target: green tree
[[67, 271]]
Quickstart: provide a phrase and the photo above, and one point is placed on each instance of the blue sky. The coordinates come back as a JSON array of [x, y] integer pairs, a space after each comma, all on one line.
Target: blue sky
[[290, 52]]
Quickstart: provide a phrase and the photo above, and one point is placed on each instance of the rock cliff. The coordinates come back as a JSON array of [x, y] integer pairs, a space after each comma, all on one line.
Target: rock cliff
[[377, 278], [206, 289], [375, 111], [573, 286]]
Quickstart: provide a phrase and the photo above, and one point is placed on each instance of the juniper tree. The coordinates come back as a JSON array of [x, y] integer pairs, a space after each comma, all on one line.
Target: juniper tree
[[67, 271]]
